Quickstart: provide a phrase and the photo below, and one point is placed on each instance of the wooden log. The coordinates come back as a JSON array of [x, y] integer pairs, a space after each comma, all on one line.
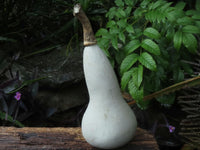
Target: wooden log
[[12, 138]]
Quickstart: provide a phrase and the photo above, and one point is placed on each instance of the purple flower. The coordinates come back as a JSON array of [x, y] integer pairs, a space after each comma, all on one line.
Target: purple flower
[[171, 128], [18, 96]]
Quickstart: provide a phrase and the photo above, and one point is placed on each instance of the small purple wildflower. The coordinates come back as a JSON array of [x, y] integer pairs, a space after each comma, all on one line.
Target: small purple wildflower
[[171, 128], [18, 96]]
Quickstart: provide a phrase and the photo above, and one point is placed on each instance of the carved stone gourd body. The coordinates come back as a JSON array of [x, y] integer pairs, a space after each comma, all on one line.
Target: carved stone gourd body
[[108, 121]]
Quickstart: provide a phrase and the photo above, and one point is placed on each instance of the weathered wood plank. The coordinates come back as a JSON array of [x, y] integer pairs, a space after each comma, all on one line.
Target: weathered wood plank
[[12, 138]]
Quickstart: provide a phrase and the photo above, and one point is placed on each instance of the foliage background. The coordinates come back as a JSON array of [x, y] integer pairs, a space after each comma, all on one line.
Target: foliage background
[[149, 43]]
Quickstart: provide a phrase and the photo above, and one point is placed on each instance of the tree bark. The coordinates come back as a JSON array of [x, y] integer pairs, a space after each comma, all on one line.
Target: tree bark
[[12, 138]]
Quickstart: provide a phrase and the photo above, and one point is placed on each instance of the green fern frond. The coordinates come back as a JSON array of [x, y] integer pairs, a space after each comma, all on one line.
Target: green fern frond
[[158, 11]]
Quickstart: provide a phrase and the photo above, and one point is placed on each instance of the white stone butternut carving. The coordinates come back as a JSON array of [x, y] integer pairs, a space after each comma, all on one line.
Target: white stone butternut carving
[[108, 121]]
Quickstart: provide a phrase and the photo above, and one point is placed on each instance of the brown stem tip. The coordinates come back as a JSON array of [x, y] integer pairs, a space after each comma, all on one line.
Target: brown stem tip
[[88, 35]]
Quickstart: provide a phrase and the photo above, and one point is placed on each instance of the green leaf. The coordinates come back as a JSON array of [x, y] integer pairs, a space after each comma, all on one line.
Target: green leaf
[[166, 100], [142, 104], [156, 4], [152, 33], [120, 13], [191, 12], [197, 5], [132, 46], [104, 44], [111, 13], [129, 29], [132, 89], [197, 23], [196, 16], [119, 3], [186, 67], [178, 75], [150, 46], [128, 10], [174, 15], [190, 42], [128, 62], [122, 37], [140, 74], [190, 29], [185, 21], [147, 60], [110, 24], [119, 57], [139, 12], [122, 23], [165, 7], [155, 16], [138, 33], [136, 93], [177, 40], [137, 75], [114, 30], [170, 33], [163, 61], [114, 42], [129, 2], [144, 3], [125, 79], [101, 31], [180, 5]]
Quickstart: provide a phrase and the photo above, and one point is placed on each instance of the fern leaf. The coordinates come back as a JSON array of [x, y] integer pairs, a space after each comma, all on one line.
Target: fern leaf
[[156, 4], [165, 7]]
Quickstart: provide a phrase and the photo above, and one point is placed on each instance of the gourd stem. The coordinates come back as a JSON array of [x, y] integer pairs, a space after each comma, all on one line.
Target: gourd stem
[[88, 34]]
